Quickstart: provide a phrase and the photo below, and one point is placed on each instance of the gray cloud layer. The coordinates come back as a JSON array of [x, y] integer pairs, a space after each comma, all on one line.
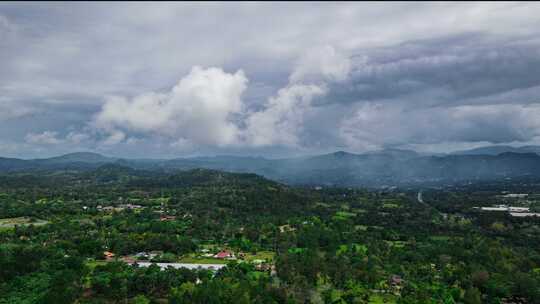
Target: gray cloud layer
[[169, 79]]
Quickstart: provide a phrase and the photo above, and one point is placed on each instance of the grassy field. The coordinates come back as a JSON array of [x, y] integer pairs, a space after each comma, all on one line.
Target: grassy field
[[440, 238], [21, 221], [397, 244], [444, 238], [390, 203], [93, 263], [361, 227], [345, 214], [357, 210], [382, 299], [261, 255], [325, 205], [342, 215]]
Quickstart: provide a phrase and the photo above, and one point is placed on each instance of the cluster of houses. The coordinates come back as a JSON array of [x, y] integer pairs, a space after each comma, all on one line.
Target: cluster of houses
[[260, 265], [191, 266], [144, 259], [163, 216], [143, 255], [223, 255], [394, 285], [147, 255], [118, 208]]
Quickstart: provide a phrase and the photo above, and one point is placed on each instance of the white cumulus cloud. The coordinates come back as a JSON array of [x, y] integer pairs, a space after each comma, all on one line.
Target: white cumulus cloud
[[45, 138], [321, 64], [206, 107], [282, 119], [198, 109]]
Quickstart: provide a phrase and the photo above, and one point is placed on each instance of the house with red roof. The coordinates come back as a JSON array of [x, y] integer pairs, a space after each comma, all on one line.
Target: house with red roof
[[225, 254], [108, 255]]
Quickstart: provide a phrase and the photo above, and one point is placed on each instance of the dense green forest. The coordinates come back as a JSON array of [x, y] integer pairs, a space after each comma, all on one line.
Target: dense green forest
[[83, 237]]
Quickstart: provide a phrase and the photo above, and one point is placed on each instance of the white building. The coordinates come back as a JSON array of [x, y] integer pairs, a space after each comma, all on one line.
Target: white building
[[523, 214]]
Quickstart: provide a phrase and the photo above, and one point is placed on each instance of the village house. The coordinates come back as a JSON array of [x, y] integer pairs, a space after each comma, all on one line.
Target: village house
[[273, 271], [516, 195], [395, 281], [130, 206], [518, 209], [514, 300], [504, 208], [286, 228], [263, 267], [166, 218], [225, 254], [108, 255], [154, 254], [524, 214], [142, 255]]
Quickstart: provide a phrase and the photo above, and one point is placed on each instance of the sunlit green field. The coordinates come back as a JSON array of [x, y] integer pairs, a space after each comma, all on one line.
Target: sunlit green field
[[21, 221]]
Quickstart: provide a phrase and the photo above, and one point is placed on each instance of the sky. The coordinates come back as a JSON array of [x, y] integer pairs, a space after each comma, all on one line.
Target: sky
[[163, 80]]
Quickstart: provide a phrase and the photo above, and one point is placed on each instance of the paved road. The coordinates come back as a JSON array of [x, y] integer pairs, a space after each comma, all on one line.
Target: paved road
[[420, 199]]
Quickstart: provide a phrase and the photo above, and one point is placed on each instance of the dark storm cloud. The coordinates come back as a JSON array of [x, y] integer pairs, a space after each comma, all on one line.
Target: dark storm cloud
[[456, 69], [285, 78]]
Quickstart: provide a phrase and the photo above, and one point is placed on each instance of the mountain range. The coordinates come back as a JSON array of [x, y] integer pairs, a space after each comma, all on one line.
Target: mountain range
[[374, 169], [495, 150]]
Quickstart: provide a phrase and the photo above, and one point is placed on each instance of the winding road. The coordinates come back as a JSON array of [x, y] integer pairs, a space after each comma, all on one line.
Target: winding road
[[419, 198]]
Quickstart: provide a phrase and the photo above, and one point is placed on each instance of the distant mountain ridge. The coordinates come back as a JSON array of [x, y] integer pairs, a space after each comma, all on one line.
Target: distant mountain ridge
[[496, 150], [78, 160], [84, 157], [373, 169]]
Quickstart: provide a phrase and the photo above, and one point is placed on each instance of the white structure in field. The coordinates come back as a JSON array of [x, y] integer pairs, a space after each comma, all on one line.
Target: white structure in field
[[523, 214], [494, 208], [516, 195], [513, 211]]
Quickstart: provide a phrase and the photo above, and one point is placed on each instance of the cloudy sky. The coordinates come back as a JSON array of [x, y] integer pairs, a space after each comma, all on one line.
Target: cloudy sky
[[175, 79]]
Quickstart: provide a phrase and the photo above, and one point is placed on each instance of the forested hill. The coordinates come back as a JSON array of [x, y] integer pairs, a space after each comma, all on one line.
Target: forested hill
[[114, 174], [384, 168]]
